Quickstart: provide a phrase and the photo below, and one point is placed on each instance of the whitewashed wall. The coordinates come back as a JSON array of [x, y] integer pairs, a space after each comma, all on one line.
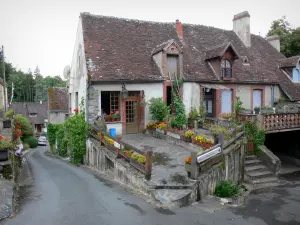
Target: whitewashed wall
[[191, 96], [57, 117], [78, 75], [151, 90]]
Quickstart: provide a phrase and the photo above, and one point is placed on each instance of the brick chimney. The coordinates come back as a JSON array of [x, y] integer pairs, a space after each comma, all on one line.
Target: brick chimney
[[274, 41], [241, 26], [179, 29]]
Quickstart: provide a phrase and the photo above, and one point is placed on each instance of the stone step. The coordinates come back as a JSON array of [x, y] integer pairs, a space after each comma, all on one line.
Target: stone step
[[251, 157], [172, 197], [259, 174], [265, 180], [252, 162], [252, 168]]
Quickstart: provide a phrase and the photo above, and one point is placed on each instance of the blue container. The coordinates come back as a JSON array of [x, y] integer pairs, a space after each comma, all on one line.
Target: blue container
[[113, 132]]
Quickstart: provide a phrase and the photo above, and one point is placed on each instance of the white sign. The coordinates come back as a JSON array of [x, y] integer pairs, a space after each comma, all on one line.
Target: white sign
[[177, 136], [160, 131], [209, 154], [117, 145]]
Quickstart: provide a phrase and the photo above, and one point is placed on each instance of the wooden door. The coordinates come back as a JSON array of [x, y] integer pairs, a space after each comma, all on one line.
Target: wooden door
[[209, 102], [132, 114]]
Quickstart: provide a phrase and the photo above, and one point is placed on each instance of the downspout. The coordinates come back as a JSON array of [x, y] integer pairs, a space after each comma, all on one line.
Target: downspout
[[272, 95]]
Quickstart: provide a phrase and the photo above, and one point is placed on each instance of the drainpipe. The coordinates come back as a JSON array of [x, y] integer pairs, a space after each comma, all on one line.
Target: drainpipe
[[272, 95]]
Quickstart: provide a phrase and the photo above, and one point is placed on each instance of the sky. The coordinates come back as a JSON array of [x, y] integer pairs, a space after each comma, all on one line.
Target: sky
[[42, 32]]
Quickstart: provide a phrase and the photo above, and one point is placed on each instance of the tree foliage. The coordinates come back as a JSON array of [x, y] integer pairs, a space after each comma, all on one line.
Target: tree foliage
[[289, 37], [26, 126], [158, 109]]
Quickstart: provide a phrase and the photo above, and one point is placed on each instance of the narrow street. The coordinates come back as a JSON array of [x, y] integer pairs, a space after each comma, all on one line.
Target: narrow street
[[66, 194]]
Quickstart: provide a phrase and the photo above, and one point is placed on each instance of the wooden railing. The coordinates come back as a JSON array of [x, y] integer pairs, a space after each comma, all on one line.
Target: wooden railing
[[118, 148], [274, 122]]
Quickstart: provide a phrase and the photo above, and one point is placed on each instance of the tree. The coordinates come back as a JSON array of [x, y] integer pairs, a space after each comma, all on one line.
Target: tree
[[289, 37]]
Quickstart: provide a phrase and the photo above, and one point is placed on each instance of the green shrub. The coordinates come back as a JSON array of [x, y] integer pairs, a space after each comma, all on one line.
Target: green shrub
[[227, 188], [25, 146], [193, 113], [26, 126], [158, 109], [9, 114], [62, 141], [31, 141]]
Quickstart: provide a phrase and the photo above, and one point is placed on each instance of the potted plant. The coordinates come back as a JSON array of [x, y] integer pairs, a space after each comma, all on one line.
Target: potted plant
[[163, 126], [5, 146], [216, 130], [256, 110], [193, 115], [202, 114], [187, 166], [116, 116], [188, 135]]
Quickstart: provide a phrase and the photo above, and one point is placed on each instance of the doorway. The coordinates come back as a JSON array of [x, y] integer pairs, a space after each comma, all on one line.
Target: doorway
[[209, 101], [132, 112]]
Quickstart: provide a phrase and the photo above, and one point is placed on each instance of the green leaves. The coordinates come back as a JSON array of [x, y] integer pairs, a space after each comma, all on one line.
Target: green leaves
[[226, 189], [158, 109], [180, 118], [289, 37], [26, 126]]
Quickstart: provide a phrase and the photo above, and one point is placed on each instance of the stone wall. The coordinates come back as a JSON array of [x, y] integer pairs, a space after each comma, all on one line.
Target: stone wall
[[231, 168], [106, 162]]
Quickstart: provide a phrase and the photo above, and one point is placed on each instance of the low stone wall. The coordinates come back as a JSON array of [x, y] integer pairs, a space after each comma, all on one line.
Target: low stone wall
[[106, 162], [231, 168], [271, 160]]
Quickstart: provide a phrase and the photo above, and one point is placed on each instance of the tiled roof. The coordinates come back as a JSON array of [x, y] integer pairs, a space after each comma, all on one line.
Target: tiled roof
[[121, 49], [58, 99], [219, 51], [27, 108], [289, 62]]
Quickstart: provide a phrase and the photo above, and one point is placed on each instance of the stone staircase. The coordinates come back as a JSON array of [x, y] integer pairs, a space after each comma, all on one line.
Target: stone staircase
[[257, 174]]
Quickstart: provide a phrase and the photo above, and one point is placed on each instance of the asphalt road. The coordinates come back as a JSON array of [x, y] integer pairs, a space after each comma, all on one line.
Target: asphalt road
[[64, 194]]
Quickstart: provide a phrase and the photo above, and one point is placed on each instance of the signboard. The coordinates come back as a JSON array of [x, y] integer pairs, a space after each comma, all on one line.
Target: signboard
[[208, 155], [174, 135]]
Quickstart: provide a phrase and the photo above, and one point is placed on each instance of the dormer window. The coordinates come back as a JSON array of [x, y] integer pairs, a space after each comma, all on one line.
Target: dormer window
[[226, 69]]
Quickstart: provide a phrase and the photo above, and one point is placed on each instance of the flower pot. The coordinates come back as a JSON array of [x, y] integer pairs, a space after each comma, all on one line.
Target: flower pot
[[194, 141], [188, 167], [3, 155], [256, 111]]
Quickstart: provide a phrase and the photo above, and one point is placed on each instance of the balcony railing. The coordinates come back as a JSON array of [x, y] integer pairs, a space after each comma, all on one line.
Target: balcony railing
[[273, 122]]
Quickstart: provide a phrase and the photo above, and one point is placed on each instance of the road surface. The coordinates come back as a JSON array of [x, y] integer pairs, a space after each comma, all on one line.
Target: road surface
[[64, 194]]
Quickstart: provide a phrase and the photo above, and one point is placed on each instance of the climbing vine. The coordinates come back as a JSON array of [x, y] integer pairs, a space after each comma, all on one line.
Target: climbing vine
[[180, 119], [62, 141]]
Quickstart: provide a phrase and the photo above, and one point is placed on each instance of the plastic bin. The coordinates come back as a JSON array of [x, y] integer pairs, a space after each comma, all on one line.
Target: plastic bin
[[113, 132]]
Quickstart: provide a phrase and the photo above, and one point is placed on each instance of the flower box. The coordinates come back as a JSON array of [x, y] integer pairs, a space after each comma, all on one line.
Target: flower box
[[111, 147], [173, 135], [186, 139], [160, 131], [3, 155], [137, 165]]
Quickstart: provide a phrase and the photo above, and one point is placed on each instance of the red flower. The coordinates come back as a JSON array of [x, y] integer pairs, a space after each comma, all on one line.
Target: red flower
[[1, 138], [76, 110]]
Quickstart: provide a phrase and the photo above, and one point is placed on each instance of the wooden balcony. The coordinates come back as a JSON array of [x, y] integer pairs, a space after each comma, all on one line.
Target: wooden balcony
[[279, 122]]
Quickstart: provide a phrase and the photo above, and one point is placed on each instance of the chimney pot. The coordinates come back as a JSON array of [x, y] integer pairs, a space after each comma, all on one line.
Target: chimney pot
[[274, 41], [179, 29], [241, 26]]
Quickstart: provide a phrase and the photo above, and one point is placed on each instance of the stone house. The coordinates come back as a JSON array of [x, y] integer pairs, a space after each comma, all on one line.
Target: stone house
[[141, 57], [36, 112], [58, 108]]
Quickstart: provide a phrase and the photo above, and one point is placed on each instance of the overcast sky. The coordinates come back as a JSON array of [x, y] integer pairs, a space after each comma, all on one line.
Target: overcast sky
[[42, 32]]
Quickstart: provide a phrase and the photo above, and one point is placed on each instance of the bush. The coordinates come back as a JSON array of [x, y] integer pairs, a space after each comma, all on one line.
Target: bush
[[227, 188], [25, 146], [9, 114], [193, 113], [31, 141], [26, 126], [158, 109], [62, 141]]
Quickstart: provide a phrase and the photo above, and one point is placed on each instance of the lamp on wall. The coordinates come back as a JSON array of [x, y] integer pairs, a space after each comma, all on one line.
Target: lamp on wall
[[124, 92], [207, 89]]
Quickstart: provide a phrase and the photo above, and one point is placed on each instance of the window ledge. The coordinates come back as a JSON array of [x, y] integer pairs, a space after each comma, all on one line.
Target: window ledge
[[227, 78], [113, 122]]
